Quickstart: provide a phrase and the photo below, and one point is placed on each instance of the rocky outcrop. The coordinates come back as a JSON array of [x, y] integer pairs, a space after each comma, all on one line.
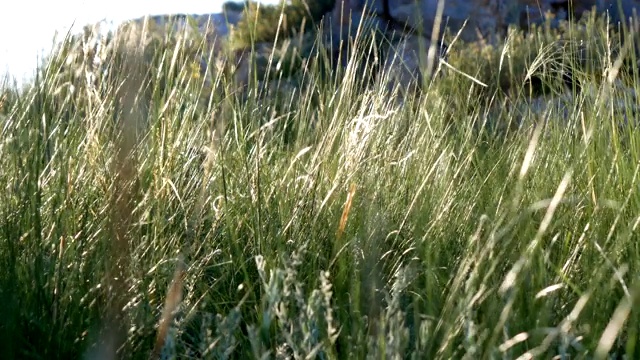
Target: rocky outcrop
[[413, 26], [472, 18], [214, 27], [418, 24]]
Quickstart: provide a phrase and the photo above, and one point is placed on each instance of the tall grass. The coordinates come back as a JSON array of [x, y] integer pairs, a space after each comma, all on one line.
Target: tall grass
[[326, 222]]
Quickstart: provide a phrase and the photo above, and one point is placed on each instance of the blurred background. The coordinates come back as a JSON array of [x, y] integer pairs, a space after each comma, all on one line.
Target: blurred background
[[28, 28]]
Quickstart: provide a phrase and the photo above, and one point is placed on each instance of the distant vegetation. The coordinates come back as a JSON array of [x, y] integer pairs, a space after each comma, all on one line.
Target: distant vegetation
[[260, 23]]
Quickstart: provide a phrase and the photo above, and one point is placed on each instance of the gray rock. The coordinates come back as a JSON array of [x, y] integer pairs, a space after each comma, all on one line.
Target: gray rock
[[214, 27], [469, 20], [405, 59]]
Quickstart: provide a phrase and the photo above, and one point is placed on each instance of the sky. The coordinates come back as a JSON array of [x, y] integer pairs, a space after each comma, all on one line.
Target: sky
[[27, 27]]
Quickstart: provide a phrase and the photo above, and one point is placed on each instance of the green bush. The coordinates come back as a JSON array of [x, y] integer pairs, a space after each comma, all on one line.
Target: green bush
[[261, 23]]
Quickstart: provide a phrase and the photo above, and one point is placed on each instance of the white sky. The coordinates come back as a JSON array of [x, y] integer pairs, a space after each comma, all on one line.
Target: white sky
[[27, 27]]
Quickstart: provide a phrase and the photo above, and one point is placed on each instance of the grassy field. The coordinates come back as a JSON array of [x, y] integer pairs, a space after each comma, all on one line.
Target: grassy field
[[325, 222]]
